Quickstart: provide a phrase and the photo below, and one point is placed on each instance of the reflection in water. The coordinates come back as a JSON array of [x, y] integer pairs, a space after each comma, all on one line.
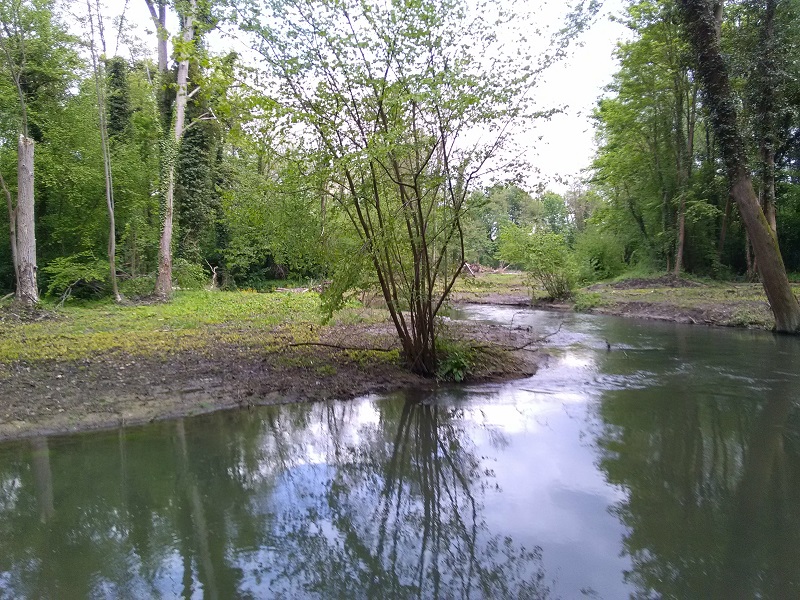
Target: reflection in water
[[337, 500], [713, 482], [666, 467], [401, 517]]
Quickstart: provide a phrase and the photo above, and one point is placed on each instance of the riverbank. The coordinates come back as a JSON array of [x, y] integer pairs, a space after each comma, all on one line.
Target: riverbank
[[662, 298], [103, 366]]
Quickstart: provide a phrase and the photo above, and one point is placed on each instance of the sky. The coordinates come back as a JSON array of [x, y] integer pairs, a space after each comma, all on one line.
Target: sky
[[559, 150]]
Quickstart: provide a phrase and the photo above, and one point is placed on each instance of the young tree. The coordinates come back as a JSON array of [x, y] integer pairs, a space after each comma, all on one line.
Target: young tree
[[701, 23], [395, 95], [100, 88]]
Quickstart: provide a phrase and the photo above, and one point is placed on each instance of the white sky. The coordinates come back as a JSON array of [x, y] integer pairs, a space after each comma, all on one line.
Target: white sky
[[559, 149]]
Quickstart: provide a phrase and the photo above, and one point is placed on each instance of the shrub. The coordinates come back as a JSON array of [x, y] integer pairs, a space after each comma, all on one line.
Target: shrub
[[137, 287], [81, 274], [543, 255], [600, 254], [456, 360], [587, 300], [188, 276]]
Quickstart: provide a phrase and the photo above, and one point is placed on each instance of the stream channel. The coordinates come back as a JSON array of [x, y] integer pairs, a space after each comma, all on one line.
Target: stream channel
[[664, 466]]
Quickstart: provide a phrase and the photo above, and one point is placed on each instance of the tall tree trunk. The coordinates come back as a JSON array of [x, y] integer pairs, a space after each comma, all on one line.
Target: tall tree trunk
[[27, 290], [680, 168], [160, 21], [164, 280], [99, 82], [713, 75]]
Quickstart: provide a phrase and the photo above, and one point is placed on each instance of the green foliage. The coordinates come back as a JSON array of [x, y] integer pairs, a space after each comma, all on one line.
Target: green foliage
[[189, 276], [137, 287], [118, 96], [587, 300], [543, 255], [77, 273], [599, 254], [555, 215], [488, 211], [456, 360]]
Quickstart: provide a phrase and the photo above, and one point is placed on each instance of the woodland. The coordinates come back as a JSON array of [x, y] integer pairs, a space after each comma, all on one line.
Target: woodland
[[340, 151]]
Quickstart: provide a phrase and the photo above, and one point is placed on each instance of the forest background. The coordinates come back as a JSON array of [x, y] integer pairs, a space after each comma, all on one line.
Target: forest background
[[253, 207]]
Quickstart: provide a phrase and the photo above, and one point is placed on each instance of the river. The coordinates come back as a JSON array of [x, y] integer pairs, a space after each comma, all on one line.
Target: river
[[647, 460]]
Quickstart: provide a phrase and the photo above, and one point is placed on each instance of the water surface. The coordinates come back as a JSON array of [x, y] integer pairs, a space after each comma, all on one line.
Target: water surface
[[648, 460]]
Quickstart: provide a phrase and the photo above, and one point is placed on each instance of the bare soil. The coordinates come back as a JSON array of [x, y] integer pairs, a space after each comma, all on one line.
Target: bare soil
[[48, 397]]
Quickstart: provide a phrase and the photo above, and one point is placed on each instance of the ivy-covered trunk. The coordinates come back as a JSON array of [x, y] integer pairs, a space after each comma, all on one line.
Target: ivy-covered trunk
[[713, 74], [169, 160]]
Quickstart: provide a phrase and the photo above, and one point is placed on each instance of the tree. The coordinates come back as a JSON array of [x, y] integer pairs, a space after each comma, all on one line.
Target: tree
[[389, 94], [172, 141], [15, 22], [701, 24], [100, 87]]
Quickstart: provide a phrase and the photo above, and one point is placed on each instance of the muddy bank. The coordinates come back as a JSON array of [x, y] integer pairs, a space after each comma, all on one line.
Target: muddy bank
[[51, 397], [664, 298]]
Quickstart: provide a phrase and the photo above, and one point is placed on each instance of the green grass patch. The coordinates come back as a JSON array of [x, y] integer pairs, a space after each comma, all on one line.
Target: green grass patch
[[488, 283], [191, 321]]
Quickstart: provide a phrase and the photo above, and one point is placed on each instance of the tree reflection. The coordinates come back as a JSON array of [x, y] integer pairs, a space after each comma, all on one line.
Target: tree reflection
[[713, 503], [351, 500], [401, 517]]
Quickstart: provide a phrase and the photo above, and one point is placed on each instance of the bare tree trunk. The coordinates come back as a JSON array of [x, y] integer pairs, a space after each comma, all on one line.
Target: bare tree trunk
[[164, 280], [681, 236], [27, 290], [99, 82], [713, 75], [769, 190], [724, 229], [159, 20]]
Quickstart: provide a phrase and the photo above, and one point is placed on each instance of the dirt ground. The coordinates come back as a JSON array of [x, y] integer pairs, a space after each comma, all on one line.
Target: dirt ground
[[664, 298], [50, 397]]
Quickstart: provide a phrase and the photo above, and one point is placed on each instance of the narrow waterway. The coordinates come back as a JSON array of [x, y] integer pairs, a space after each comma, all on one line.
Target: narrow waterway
[[647, 460]]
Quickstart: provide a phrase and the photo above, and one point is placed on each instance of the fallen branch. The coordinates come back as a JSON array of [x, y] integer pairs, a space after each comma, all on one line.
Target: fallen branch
[[338, 347], [525, 346]]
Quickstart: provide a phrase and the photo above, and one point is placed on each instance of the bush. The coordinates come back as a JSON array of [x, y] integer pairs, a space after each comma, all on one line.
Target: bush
[[456, 360], [81, 274], [188, 276], [587, 300], [137, 287], [543, 255], [600, 254]]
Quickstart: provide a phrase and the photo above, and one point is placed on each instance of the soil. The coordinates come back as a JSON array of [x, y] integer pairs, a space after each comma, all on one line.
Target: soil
[[52, 397], [665, 298], [670, 281]]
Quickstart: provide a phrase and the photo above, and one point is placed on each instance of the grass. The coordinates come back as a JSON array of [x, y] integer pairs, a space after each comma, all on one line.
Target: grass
[[486, 284], [193, 320]]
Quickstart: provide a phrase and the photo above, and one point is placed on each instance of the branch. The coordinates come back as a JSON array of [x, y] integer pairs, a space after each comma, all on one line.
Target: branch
[[338, 347], [525, 346]]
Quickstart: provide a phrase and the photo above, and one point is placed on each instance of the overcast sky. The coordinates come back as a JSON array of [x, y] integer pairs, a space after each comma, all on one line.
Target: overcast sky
[[559, 149]]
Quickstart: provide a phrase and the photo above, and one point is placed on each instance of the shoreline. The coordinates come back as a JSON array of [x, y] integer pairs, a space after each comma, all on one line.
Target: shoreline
[[62, 397], [238, 365], [666, 298]]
